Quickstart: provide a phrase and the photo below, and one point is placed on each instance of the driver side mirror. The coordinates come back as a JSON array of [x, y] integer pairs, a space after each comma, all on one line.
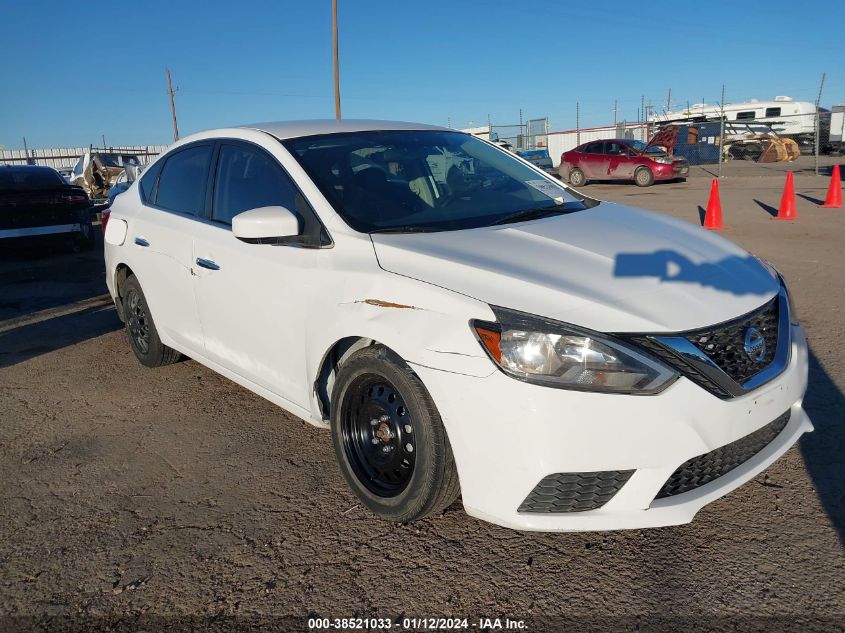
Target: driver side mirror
[[265, 225]]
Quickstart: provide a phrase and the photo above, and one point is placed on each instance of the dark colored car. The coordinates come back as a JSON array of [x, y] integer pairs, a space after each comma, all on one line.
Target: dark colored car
[[621, 159], [36, 201], [539, 158]]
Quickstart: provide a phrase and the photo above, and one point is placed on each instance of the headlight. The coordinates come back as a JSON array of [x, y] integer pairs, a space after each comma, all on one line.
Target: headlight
[[558, 355], [665, 160]]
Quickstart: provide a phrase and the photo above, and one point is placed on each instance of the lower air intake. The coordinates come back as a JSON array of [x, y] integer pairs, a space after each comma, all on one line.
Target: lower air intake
[[703, 469], [575, 492]]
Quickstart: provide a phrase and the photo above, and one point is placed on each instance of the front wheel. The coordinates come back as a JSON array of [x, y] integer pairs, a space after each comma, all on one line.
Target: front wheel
[[389, 439], [644, 177]]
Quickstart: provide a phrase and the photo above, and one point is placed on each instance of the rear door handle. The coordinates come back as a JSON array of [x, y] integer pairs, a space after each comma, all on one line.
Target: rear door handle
[[140, 241], [207, 263]]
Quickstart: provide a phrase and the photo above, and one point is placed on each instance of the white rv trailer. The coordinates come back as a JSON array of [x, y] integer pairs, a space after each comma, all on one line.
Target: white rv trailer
[[785, 116], [837, 128]]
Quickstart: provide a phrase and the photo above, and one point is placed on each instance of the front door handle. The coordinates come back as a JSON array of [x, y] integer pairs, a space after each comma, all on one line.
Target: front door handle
[[207, 263], [140, 241]]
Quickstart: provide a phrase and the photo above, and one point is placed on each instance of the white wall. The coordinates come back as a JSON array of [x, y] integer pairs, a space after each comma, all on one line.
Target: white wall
[[67, 156], [560, 142]]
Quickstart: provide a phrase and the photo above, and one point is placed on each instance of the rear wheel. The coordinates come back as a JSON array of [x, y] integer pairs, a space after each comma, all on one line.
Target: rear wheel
[[643, 177], [577, 178], [141, 329], [389, 439]]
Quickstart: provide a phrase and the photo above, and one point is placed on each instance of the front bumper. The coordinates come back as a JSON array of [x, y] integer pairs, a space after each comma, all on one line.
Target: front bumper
[[508, 435], [678, 169]]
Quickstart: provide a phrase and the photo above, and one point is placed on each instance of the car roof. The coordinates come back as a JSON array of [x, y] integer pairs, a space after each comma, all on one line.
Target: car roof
[[313, 127], [28, 167]]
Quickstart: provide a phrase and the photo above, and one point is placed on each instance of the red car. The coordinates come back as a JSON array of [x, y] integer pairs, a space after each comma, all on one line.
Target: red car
[[621, 159]]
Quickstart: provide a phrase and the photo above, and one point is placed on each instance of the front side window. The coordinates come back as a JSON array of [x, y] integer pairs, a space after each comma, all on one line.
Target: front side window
[[181, 184], [412, 181], [616, 149], [745, 116], [247, 179]]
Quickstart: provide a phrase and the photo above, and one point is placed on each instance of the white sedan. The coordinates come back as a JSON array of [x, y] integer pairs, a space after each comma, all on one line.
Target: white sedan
[[463, 323]]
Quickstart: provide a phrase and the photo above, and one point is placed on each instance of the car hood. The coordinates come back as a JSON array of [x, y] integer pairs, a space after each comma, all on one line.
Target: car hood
[[610, 268]]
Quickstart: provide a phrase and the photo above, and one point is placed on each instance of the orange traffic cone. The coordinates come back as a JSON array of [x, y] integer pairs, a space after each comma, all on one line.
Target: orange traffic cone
[[713, 216], [787, 201], [834, 192]]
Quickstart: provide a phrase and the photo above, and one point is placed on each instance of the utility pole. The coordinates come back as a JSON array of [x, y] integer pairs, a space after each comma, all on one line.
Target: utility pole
[[26, 151], [578, 123], [336, 64], [614, 114], [104, 140], [170, 93], [818, 123], [721, 130], [669, 101]]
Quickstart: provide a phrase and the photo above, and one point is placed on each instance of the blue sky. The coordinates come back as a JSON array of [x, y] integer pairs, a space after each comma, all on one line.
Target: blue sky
[[72, 71]]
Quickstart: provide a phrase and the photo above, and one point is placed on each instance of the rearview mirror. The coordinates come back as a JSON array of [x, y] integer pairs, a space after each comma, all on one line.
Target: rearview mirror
[[265, 225]]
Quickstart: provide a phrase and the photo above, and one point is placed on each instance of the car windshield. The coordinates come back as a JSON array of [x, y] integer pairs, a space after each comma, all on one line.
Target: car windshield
[[641, 147], [412, 181], [28, 179]]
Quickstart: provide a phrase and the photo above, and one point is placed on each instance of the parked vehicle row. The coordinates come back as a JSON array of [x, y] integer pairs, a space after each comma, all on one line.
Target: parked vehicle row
[[36, 202], [463, 322]]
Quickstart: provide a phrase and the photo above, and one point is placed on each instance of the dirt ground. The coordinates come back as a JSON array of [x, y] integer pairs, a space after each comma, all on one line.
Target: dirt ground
[[173, 499]]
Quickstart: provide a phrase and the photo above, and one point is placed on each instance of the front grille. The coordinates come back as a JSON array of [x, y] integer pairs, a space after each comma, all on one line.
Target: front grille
[[688, 370], [703, 469], [724, 344], [575, 492]]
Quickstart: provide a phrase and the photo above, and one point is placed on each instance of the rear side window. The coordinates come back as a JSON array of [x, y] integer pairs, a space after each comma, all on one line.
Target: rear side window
[[181, 185], [745, 116], [247, 179], [594, 148], [148, 181], [772, 111]]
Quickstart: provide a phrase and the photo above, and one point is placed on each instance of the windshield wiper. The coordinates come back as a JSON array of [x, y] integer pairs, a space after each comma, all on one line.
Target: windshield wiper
[[533, 214]]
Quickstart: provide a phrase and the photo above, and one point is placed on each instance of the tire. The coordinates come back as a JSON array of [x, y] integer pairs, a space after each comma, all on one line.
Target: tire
[[86, 239], [141, 329], [577, 178], [389, 439], [643, 177]]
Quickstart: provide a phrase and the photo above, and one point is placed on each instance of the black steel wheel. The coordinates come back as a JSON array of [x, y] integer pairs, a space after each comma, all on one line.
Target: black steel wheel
[[137, 322], [141, 329], [388, 437], [378, 436]]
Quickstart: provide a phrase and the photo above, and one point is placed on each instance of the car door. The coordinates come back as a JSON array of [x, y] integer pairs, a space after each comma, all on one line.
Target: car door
[[592, 160], [619, 165], [173, 195], [253, 298]]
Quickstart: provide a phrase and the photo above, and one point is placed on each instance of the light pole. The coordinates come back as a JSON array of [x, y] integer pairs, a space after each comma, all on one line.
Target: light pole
[[336, 66]]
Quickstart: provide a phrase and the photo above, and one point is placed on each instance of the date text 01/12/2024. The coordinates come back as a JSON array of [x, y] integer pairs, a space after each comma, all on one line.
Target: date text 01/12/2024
[[415, 624]]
